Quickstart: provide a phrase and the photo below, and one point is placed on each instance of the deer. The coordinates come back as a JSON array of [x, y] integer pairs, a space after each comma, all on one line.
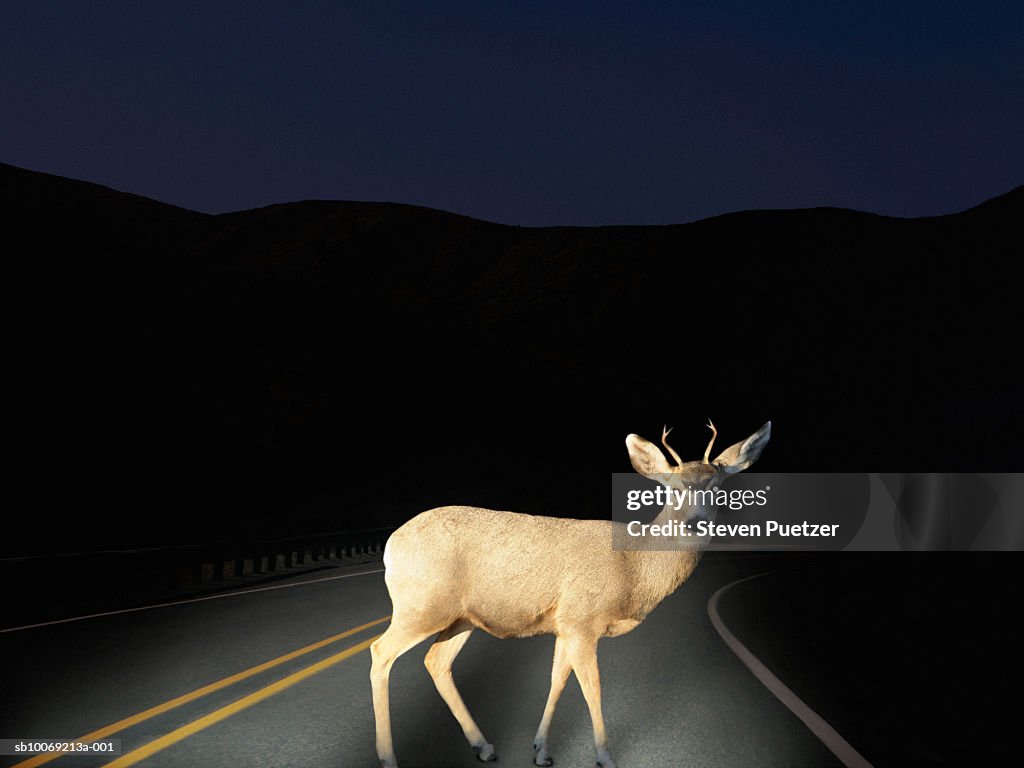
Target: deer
[[454, 569]]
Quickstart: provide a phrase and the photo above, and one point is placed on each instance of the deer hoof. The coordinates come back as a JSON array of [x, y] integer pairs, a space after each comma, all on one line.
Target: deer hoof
[[485, 753], [542, 758]]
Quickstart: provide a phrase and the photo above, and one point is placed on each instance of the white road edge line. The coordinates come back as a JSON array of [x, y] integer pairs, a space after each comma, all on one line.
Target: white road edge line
[[828, 735], [190, 600]]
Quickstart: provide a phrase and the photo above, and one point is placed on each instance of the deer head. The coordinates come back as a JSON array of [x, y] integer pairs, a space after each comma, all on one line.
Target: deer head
[[648, 460]]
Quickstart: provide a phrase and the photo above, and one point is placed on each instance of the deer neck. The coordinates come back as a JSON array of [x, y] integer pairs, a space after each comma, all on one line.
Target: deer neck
[[665, 563]]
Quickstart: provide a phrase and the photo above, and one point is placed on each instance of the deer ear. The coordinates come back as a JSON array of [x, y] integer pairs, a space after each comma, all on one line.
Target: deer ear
[[743, 454], [647, 458]]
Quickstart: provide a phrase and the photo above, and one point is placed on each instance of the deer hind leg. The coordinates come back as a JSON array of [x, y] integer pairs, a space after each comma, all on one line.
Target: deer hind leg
[[582, 654], [439, 661], [560, 669], [398, 639]]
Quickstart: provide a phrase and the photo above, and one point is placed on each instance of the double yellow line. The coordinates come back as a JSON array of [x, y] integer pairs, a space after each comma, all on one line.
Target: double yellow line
[[133, 757]]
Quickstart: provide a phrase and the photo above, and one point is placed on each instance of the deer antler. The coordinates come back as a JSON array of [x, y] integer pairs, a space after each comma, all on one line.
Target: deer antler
[[664, 441], [714, 434]]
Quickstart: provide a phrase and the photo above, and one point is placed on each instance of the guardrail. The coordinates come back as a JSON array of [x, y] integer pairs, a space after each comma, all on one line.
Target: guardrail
[[173, 567], [47, 588], [218, 561]]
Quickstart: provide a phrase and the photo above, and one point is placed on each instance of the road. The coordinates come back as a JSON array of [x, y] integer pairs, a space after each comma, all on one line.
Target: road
[[674, 692]]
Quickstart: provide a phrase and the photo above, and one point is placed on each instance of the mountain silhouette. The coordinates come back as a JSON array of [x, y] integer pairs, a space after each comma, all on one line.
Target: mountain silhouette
[[324, 364]]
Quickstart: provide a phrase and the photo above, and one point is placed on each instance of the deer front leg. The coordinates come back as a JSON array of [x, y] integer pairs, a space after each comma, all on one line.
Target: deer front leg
[[582, 654], [560, 669]]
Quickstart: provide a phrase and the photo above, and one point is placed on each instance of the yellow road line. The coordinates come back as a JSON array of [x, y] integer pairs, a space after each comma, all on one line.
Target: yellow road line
[[159, 709], [234, 707]]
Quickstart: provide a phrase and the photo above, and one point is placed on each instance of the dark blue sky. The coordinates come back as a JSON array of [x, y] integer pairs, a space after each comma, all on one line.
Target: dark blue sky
[[525, 113]]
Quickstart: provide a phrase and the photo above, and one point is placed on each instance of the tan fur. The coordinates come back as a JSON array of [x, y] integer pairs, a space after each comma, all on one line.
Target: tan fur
[[452, 569]]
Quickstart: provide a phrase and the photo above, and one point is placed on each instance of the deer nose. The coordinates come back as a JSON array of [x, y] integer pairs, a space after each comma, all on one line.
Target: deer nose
[[700, 515]]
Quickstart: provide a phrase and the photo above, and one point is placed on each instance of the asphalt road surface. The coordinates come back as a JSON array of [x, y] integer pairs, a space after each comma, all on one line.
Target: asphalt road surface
[[218, 682]]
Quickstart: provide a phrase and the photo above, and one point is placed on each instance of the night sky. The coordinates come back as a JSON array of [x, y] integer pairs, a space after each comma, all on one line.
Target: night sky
[[523, 113]]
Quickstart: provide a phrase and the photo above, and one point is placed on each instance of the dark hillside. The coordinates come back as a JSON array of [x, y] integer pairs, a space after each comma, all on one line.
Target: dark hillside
[[329, 364]]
